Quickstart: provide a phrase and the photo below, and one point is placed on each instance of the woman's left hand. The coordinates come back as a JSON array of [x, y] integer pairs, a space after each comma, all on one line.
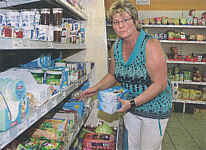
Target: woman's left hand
[[125, 105]]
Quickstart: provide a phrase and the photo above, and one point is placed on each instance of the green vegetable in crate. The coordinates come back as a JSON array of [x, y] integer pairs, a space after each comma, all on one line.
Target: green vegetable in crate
[[105, 128]]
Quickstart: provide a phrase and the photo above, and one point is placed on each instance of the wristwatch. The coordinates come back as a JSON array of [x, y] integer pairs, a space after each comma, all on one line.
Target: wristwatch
[[132, 103]]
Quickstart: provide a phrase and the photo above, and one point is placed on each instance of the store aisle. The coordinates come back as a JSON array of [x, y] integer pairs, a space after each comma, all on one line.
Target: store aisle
[[185, 132]]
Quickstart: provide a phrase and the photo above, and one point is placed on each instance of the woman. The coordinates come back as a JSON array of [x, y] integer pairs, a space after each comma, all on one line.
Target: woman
[[138, 63]]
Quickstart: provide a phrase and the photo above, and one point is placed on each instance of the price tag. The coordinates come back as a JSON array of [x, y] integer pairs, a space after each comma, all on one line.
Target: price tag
[[50, 105], [26, 44], [23, 125], [4, 137], [50, 45], [44, 109], [13, 132], [33, 117], [17, 43]]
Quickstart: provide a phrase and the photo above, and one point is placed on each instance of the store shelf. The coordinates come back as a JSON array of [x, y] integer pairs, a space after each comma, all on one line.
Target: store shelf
[[175, 26], [183, 42], [12, 43], [189, 101], [188, 82], [77, 127], [186, 62], [37, 113], [173, 41], [23, 4], [112, 40], [68, 46]]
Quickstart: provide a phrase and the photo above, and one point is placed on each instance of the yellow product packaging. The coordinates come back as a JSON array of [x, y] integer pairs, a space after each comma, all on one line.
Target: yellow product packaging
[[192, 94], [198, 95]]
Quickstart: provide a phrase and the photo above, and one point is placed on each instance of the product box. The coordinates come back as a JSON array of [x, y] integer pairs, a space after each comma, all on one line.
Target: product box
[[14, 105], [96, 141], [108, 99], [51, 129]]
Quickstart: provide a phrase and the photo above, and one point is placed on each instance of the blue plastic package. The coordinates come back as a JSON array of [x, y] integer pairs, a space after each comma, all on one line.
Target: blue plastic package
[[108, 99]]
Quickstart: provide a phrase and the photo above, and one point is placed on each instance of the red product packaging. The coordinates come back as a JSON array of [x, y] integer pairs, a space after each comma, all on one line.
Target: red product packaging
[[94, 141]]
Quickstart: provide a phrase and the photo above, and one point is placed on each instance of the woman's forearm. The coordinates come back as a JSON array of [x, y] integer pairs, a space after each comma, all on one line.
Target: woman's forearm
[[107, 82]]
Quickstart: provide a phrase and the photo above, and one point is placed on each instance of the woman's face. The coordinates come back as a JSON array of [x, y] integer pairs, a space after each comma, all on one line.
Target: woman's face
[[123, 25]]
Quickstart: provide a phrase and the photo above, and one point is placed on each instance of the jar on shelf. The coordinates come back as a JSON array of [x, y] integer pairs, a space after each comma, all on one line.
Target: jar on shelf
[[53, 77], [7, 31], [204, 77], [57, 34], [187, 76], [45, 16], [57, 16], [203, 94]]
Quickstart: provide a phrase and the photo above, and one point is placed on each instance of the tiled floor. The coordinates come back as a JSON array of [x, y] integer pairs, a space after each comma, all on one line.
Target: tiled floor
[[185, 132]]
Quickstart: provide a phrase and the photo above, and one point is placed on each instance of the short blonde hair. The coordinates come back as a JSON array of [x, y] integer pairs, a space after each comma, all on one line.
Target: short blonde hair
[[121, 6]]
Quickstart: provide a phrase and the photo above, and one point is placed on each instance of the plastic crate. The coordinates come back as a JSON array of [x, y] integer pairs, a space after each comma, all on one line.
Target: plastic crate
[[94, 141]]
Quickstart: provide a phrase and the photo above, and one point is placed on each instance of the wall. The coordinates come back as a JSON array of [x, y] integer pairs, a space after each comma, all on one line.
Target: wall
[[168, 4]]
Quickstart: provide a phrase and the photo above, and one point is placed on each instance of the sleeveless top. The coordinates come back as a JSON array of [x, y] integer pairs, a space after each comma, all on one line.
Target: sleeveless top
[[133, 76]]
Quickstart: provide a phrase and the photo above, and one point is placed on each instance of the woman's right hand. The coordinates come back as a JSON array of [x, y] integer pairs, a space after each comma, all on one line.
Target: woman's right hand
[[88, 92]]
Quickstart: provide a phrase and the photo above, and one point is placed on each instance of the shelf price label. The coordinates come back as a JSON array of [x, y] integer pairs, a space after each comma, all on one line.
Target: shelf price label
[[43, 109], [50, 104], [13, 133], [33, 117], [5, 136]]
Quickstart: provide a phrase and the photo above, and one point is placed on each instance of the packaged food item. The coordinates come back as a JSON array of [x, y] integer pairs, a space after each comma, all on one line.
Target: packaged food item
[[200, 37], [203, 94], [183, 21], [146, 21], [165, 20], [171, 35], [158, 20], [51, 129], [57, 16], [108, 99], [53, 77], [192, 37], [98, 141], [38, 75], [151, 21], [45, 16]]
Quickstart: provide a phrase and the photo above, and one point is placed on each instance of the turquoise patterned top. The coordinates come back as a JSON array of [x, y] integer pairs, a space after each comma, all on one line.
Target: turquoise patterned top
[[133, 76]]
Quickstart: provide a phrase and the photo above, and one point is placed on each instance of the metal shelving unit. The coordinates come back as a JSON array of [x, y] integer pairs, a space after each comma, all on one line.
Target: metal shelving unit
[[174, 26], [183, 42], [36, 114], [189, 101], [186, 62], [20, 44], [12, 43], [188, 83]]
